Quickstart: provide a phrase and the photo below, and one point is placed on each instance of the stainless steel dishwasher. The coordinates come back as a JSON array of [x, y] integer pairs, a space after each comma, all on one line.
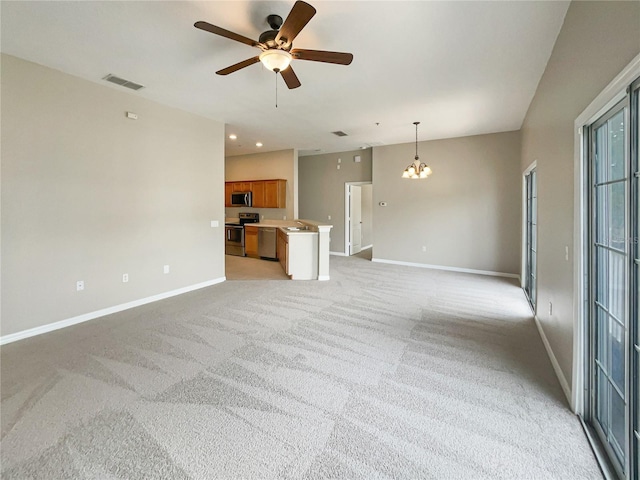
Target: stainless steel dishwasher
[[267, 243]]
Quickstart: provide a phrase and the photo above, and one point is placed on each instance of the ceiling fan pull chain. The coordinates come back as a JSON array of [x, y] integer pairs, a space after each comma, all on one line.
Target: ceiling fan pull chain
[[276, 70]]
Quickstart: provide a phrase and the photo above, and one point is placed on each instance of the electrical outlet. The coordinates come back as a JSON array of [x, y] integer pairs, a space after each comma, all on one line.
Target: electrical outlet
[[566, 252], [338, 167], [166, 269], [214, 223], [125, 278], [79, 285], [329, 217], [424, 248]]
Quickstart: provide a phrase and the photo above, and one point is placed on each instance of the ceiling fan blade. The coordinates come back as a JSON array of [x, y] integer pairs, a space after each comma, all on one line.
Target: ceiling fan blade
[[322, 56], [298, 17], [290, 78], [207, 27], [238, 66]]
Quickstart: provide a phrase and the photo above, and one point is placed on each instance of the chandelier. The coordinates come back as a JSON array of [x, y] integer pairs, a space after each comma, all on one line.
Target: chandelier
[[416, 169]]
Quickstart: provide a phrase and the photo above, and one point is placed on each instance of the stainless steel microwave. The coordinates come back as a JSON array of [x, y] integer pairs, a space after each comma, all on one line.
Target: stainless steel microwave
[[241, 199]]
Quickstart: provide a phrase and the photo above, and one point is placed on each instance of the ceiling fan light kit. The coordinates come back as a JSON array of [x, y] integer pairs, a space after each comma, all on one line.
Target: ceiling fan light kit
[[277, 45], [275, 60], [417, 169]]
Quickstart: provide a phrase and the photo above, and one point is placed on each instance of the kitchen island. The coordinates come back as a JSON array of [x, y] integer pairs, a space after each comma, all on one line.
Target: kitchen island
[[302, 246]]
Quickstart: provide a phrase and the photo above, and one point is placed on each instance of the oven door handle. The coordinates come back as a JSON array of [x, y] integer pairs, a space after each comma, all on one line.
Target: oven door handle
[[228, 234]]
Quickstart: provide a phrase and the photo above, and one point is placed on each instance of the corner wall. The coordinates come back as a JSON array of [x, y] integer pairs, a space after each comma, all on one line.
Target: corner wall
[[322, 187], [466, 215], [597, 40], [88, 194]]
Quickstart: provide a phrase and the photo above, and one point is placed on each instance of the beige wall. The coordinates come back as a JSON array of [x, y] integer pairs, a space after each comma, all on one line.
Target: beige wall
[[597, 40], [88, 194], [282, 164], [467, 214], [322, 188]]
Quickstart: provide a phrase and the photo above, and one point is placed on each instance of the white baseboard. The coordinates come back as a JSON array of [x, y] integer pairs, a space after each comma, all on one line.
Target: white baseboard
[[323, 278], [449, 269], [367, 247], [31, 332], [339, 254], [554, 361]]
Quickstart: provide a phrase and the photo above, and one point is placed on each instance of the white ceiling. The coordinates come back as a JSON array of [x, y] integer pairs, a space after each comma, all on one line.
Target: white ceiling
[[460, 68]]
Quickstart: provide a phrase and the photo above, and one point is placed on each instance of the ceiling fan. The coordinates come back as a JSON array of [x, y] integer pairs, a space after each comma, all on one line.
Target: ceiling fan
[[277, 45]]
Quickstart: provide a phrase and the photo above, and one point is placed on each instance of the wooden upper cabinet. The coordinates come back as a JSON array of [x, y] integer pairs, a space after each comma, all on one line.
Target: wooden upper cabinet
[[275, 193], [266, 193], [257, 189], [228, 189], [241, 186]]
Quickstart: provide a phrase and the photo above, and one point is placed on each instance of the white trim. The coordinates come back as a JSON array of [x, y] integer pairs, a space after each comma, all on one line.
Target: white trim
[[31, 332], [367, 247], [554, 361], [523, 231], [338, 254], [323, 278], [612, 94], [449, 269]]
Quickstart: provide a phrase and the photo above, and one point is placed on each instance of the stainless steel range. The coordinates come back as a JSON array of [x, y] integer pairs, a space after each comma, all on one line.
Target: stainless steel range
[[234, 233]]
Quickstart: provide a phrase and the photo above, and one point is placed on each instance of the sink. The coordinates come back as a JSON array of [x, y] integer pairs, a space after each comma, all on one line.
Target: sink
[[297, 229]]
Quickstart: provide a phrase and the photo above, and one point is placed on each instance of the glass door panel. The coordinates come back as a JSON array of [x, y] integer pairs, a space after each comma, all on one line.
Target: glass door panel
[[635, 303], [531, 238], [610, 280]]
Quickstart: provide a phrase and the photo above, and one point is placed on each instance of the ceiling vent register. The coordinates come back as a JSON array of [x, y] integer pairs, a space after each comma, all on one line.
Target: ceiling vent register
[[122, 82]]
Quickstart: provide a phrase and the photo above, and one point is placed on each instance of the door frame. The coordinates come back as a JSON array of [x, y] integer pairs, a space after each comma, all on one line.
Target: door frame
[[613, 93], [346, 213]]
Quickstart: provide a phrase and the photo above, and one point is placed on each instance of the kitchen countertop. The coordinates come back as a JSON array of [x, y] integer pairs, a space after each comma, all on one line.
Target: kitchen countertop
[[283, 224]]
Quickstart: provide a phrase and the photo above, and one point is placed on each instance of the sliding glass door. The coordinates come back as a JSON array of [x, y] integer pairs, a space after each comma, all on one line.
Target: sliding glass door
[[635, 280], [614, 353], [530, 237]]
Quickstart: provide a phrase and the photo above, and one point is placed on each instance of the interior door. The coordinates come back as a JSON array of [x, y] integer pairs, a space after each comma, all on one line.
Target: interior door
[[355, 219]]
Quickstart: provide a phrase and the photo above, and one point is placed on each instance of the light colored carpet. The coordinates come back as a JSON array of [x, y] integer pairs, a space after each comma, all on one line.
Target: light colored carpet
[[382, 372]]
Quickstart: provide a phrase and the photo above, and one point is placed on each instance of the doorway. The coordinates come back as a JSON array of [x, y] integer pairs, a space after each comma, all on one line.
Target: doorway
[[358, 217]]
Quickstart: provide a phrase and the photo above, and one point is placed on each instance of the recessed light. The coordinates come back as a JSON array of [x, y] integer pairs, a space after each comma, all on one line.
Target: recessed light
[[258, 144], [233, 136]]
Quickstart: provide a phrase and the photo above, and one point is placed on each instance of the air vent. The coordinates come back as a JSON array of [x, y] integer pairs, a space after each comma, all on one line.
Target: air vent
[[122, 82], [340, 133]]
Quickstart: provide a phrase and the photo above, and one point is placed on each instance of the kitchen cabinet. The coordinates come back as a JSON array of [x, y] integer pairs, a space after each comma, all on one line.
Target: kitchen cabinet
[[257, 189], [241, 186], [228, 190], [251, 241], [266, 193], [275, 193], [282, 249]]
